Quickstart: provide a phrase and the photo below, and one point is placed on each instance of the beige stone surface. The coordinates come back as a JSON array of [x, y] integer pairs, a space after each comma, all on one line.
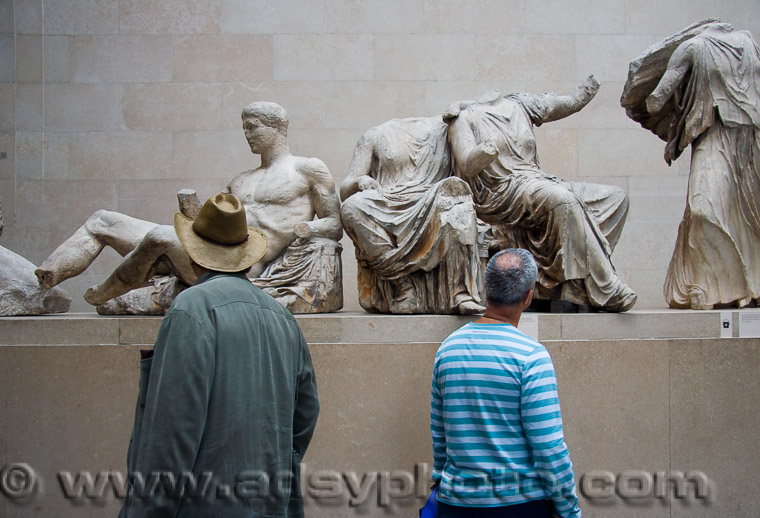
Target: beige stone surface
[[120, 59], [28, 58], [29, 101], [169, 16], [374, 16], [29, 151], [714, 421], [648, 284], [7, 165], [435, 57], [85, 396], [265, 17], [27, 17], [640, 325], [629, 152], [322, 57], [474, 16], [82, 16], [588, 17], [221, 57], [662, 18], [6, 18], [394, 99], [56, 59], [650, 405], [527, 57], [75, 107], [205, 154], [627, 425], [7, 107], [43, 203], [172, 106], [608, 55], [7, 58], [108, 155]]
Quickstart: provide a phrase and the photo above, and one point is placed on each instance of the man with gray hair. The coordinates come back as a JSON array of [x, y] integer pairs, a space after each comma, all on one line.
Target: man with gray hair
[[498, 444]]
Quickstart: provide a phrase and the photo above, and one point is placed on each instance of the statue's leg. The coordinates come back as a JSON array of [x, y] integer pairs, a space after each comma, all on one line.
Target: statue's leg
[[139, 265], [103, 228]]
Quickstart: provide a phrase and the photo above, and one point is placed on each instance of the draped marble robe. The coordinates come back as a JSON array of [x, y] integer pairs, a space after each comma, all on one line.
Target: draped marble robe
[[570, 227], [416, 234], [716, 259]]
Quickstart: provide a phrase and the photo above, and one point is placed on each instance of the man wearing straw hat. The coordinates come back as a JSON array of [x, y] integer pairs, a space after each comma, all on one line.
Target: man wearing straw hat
[[228, 400]]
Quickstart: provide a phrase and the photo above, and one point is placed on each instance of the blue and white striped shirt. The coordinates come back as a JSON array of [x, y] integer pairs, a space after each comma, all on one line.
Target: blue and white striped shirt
[[496, 422]]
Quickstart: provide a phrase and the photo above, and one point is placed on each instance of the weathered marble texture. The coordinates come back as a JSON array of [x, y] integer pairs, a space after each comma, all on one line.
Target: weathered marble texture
[[570, 227], [291, 199], [701, 88], [411, 221]]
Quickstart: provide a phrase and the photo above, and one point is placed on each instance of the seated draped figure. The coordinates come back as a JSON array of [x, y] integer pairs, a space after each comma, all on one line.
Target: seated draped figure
[[571, 228], [291, 199], [412, 222]]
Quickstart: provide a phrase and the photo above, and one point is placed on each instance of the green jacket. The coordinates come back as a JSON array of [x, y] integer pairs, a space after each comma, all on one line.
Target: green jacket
[[226, 408]]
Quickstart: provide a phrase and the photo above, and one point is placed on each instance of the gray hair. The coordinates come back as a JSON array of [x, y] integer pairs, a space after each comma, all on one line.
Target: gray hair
[[510, 275], [271, 114]]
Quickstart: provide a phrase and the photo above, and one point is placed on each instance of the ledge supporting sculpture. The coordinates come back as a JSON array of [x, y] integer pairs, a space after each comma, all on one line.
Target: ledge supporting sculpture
[[291, 199], [412, 223], [570, 227], [701, 88]]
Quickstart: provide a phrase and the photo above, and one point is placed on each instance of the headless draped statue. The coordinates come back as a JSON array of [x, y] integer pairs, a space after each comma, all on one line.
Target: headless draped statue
[[291, 199], [412, 223], [701, 88], [570, 227]]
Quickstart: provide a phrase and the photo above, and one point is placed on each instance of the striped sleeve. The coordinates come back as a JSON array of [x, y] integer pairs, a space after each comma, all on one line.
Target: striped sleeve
[[542, 422], [436, 426]]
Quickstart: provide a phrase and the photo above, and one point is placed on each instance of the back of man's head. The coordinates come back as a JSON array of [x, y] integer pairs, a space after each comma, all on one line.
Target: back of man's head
[[510, 275], [271, 114]]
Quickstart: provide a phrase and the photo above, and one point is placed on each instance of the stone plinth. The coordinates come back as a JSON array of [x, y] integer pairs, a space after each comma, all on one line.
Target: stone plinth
[[644, 391]]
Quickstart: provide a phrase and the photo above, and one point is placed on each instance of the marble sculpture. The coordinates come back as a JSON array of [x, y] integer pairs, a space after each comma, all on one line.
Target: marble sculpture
[[291, 198], [19, 292], [570, 227], [701, 88]]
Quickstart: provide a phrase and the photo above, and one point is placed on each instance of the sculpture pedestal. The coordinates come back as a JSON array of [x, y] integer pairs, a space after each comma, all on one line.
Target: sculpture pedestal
[[645, 391]]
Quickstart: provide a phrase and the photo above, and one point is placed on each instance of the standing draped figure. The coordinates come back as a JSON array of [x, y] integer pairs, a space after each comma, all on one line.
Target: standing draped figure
[[708, 97]]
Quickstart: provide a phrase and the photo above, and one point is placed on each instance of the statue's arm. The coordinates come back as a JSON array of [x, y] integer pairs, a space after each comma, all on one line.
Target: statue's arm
[[470, 156], [325, 200], [358, 175], [678, 65], [561, 106]]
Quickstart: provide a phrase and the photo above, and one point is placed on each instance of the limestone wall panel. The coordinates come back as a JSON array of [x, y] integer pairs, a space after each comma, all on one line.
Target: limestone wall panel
[[474, 16], [56, 59], [221, 57], [266, 17], [7, 58], [71, 107], [425, 57], [81, 16], [29, 152], [526, 57], [324, 57], [29, 101], [120, 59], [374, 16], [170, 16], [172, 106]]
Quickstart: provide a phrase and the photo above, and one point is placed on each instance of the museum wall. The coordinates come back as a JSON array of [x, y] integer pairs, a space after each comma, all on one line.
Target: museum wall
[[117, 104]]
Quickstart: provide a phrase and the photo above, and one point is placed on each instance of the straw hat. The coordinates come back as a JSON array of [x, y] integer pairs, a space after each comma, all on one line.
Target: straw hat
[[219, 238]]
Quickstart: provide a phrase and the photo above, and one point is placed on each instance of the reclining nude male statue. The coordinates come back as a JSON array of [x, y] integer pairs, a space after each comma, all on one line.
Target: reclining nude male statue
[[570, 227], [291, 199], [412, 222]]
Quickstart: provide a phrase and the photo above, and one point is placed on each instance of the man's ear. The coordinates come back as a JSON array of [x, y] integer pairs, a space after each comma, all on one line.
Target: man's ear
[[528, 299]]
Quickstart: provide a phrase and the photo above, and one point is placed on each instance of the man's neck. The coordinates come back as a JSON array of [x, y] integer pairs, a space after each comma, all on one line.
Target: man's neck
[[500, 315], [273, 154]]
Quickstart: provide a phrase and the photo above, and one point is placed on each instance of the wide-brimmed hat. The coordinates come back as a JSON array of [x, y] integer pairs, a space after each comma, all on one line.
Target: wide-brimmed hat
[[219, 238]]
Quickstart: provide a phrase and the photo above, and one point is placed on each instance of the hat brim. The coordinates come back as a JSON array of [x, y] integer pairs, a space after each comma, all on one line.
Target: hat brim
[[221, 258]]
